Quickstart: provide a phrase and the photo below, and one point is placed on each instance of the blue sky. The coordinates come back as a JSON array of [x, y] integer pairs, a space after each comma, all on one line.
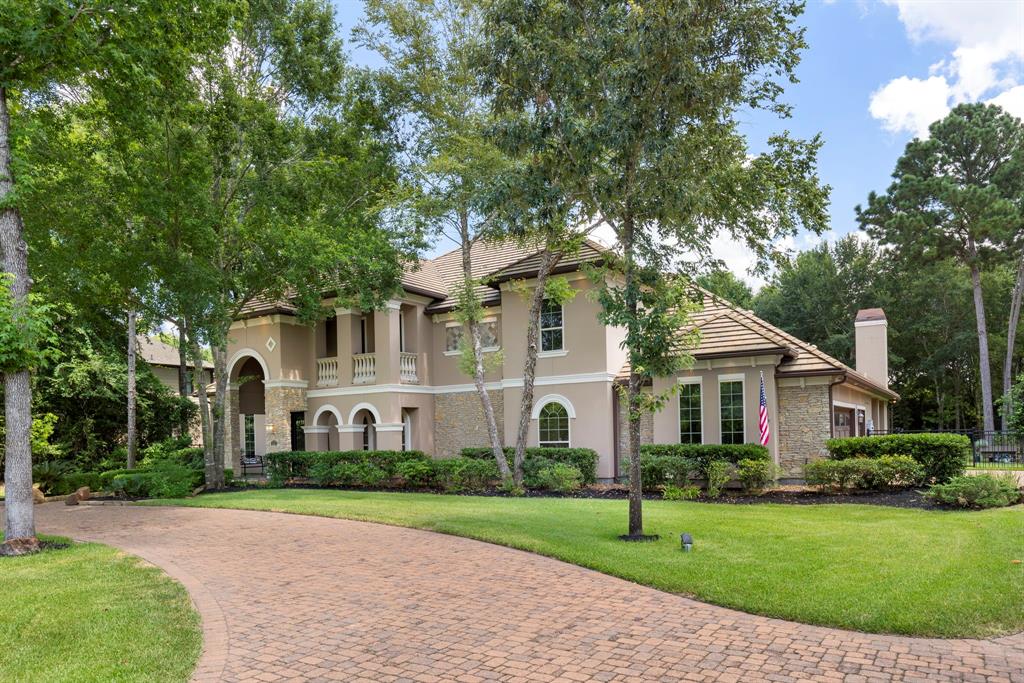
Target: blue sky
[[875, 74]]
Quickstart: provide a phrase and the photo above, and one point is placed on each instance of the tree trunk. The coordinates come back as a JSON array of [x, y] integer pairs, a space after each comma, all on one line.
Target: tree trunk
[[636, 515], [199, 382], [19, 526], [183, 376], [1011, 340], [984, 363], [215, 466], [548, 261], [478, 354], [133, 445]]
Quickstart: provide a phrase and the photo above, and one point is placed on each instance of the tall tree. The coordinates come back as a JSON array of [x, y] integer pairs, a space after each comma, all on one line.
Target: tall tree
[[725, 284], [299, 157], [430, 48], [638, 99], [41, 42], [956, 194]]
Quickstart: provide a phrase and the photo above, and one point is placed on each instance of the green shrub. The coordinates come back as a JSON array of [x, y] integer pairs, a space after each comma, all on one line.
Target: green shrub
[[229, 476], [461, 474], [171, 480], [942, 456], [757, 475], [317, 465], [702, 454], [560, 477], [672, 492], [718, 474], [980, 491], [891, 471], [416, 472], [583, 459], [132, 484], [48, 475], [72, 481]]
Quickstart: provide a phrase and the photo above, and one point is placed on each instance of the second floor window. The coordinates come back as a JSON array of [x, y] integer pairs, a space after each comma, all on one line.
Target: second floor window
[[489, 334], [452, 338], [689, 414], [731, 393], [551, 327]]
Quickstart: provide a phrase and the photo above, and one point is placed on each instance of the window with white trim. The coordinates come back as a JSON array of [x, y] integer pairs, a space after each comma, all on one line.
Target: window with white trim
[[731, 401], [553, 426], [690, 413], [452, 338], [551, 326], [250, 436]]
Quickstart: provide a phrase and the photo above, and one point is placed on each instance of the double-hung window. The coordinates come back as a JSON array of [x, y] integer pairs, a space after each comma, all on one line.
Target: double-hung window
[[551, 326], [731, 401], [489, 335], [690, 413]]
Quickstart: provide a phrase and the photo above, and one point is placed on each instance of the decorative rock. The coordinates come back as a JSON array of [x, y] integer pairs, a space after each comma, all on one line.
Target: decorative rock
[[37, 496], [83, 493], [19, 546], [71, 499]]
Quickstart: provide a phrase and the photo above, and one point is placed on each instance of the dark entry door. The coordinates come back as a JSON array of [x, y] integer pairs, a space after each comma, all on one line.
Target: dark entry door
[[298, 421]]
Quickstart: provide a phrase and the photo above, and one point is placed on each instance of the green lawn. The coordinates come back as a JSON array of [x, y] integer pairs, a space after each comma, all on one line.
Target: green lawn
[[91, 613], [862, 567]]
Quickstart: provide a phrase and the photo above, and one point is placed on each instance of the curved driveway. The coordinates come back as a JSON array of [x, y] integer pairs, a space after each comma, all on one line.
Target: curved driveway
[[285, 597]]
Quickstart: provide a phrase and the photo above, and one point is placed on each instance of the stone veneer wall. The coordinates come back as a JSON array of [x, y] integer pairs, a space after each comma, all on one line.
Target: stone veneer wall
[[646, 432], [281, 402], [459, 421], [804, 426]]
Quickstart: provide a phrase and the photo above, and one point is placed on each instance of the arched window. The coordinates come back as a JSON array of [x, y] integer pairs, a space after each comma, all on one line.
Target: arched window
[[553, 426]]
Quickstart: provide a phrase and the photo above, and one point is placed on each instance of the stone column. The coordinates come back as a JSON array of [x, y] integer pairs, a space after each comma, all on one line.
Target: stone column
[[281, 402], [385, 341], [232, 447]]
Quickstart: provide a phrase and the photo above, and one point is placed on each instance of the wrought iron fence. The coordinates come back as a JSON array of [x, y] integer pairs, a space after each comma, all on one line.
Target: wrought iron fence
[[989, 450]]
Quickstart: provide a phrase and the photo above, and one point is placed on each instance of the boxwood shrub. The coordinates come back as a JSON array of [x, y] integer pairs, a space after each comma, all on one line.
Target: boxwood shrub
[[583, 459], [331, 468], [943, 456], [979, 492], [702, 454]]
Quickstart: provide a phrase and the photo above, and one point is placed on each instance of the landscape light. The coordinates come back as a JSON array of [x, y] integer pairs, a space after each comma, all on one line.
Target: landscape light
[[687, 541]]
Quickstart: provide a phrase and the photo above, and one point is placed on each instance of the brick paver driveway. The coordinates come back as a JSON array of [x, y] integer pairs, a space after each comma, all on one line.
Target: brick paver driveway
[[285, 597]]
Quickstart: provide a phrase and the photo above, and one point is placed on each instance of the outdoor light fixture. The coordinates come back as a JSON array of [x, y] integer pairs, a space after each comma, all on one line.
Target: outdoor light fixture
[[687, 541]]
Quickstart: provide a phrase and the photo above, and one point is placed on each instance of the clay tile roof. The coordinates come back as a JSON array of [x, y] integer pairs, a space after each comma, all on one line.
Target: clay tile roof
[[155, 351], [866, 314], [727, 330]]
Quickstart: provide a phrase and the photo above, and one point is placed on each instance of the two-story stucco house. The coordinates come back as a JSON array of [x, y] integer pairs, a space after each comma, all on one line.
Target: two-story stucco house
[[390, 379]]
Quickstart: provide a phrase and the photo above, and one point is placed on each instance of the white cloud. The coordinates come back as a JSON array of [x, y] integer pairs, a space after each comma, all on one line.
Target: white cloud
[[1011, 100], [987, 57], [910, 104]]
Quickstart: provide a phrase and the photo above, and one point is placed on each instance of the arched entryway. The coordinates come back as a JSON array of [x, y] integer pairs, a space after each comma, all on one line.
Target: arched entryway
[[365, 420], [326, 422], [247, 398]]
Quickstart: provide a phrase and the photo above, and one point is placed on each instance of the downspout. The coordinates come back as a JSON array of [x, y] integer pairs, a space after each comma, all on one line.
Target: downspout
[[831, 408], [615, 433]]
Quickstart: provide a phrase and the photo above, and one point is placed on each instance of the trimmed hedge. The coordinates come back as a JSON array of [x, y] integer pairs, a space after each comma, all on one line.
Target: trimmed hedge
[[339, 467], [583, 459], [943, 456], [870, 474], [702, 454]]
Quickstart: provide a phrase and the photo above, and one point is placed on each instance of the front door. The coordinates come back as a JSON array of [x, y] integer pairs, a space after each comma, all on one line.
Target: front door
[[843, 422], [298, 421]]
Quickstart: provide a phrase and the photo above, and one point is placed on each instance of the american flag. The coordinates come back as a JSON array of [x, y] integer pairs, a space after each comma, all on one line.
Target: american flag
[[762, 416]]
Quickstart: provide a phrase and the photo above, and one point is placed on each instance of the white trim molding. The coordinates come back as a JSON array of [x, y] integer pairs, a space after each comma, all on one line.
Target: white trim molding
[[364, 406], [293, 383], [251, 353], [871, 323], [390, 427], [557, 353], [317, 429], [328, 408], [553, 398]]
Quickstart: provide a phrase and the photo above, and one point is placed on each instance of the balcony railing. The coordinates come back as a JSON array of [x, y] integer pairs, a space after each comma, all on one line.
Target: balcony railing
[[407, 368], [364, 368], [327, 372]]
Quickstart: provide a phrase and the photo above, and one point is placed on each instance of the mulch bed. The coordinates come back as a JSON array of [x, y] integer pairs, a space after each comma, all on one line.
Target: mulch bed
[[785, 495]]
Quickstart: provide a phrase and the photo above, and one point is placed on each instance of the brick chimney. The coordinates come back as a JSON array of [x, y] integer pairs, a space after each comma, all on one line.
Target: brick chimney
[[872, 344]]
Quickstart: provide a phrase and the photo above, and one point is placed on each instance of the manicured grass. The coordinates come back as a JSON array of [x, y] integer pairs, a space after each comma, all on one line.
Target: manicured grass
[[91, 613], [862, 567]]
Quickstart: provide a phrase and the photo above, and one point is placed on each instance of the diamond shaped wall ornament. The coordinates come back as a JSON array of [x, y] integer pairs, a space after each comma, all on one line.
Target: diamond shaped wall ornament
[[271, 344]]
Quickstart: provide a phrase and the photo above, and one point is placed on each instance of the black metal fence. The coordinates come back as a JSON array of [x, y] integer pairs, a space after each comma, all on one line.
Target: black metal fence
[[990, 450]]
